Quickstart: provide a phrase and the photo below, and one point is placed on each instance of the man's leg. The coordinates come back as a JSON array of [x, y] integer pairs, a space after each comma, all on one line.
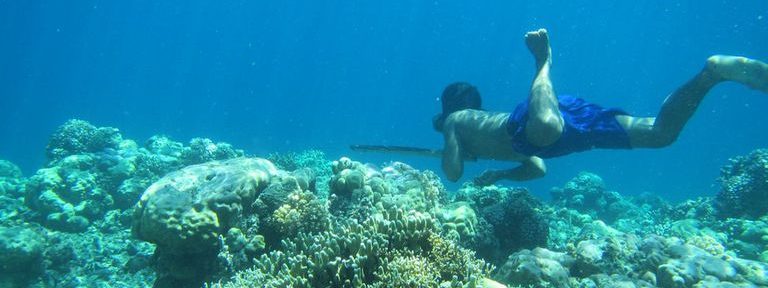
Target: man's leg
[[663, 130], [545, 123]]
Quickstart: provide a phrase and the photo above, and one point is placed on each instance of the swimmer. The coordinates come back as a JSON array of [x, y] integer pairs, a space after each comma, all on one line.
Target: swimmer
[[548, 125]]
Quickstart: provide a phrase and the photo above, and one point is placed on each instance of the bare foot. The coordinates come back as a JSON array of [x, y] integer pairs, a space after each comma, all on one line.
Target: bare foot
[[750, 72], [538, 44]]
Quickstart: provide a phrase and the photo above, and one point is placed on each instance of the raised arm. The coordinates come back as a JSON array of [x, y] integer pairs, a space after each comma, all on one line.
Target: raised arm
[[529, 169]]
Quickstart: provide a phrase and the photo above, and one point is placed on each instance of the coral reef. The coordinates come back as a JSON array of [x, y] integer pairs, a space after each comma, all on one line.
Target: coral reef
[[650, 262], [12, 184], [383, 250], [32, 256], [744, 191], [384, 230], [107, 212], [510, 220], [93, 170], [357, 189], [587, 194]]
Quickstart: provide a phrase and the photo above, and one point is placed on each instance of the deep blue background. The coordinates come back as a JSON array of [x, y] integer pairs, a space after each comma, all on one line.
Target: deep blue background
[[272, 76]]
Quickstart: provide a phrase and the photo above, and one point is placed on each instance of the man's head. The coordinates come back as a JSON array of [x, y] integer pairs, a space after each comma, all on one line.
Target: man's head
[[456, 97]]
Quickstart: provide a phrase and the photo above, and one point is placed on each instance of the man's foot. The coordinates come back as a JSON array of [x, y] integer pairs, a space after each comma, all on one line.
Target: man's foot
[[538, 44], [750, 72]]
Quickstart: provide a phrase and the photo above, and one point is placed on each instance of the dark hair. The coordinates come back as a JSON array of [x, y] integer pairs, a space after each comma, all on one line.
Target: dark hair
[[460, 96], [457, 96]]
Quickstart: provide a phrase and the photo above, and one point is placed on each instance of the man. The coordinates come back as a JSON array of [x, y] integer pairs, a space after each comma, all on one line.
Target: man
[[547, 125]]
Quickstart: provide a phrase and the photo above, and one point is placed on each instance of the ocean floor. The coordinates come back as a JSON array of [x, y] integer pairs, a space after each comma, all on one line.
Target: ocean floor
[[110, 212]]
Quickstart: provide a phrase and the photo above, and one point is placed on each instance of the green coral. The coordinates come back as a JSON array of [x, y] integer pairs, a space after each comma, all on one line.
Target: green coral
[[286, 207], [93, 170], [357, 189], [406, 270], [588, 194], [302, 212], [78, 137], [11, 181], [21, 256], [455, 263], [69, 195], [357, 255], [347, 256], [744, 192], [459, 220], [9, 170], [313, 159], [203, 150], [412, 189], [354, 188], [749, 238]]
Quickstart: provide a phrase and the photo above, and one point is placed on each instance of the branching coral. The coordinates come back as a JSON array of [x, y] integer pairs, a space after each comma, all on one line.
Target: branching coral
[[368, 254]]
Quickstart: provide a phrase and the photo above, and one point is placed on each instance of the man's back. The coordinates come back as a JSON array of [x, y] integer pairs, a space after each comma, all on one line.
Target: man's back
[[483, 134]]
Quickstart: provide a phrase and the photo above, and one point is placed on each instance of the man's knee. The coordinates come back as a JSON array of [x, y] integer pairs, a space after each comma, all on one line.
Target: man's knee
[[660, 140]]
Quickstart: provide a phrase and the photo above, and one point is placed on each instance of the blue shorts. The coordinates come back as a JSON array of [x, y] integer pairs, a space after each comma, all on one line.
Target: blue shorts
[[587, 126]]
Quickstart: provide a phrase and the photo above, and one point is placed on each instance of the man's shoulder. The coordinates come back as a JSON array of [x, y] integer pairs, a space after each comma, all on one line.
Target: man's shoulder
[[472, 113], [475, 116], [478, 124]]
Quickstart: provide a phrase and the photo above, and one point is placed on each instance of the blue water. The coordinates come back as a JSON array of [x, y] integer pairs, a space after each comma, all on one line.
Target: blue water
[[275, 76]]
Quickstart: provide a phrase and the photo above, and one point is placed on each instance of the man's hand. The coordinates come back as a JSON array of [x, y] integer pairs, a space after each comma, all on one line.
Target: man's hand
[[488, 177], [531, 168]]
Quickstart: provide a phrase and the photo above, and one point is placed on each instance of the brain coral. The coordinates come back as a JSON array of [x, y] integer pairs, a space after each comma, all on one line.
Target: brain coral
[[187, 210]]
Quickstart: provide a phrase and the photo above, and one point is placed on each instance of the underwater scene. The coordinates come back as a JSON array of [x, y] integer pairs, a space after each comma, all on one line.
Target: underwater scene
[[383, 144]]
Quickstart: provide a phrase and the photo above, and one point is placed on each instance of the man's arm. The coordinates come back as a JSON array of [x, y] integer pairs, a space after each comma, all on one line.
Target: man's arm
[[529, 169], [453, 162]]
